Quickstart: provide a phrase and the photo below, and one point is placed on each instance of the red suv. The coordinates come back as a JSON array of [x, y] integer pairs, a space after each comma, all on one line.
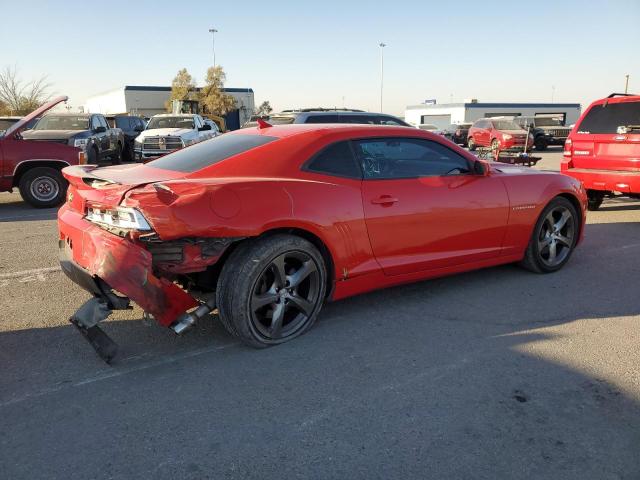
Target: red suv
[[603, 149], [499, 134]]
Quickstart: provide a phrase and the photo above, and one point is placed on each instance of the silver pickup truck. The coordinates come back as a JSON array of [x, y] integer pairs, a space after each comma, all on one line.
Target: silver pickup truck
[[168, 132]]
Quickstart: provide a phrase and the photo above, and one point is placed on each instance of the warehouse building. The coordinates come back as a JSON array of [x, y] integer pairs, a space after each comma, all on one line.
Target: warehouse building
[[443, 115], [148, 101]]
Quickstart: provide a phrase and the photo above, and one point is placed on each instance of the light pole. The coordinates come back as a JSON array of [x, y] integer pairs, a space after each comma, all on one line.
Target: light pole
[[213, 32], [626, 83], [381, 45]]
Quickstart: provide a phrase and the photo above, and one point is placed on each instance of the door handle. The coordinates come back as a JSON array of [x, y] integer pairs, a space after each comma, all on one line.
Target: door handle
[[384, 200]]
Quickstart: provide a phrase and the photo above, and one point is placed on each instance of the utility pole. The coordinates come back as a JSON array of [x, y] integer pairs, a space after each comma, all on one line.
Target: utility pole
[[626, 83], [381, 45], [213, 32]]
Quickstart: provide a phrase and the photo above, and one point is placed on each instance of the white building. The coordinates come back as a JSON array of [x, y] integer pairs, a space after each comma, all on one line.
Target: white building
[[442, 115], [148, 101]]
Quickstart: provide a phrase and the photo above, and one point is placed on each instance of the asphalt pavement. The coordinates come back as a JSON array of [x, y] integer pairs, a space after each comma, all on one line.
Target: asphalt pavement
[[498, 373]]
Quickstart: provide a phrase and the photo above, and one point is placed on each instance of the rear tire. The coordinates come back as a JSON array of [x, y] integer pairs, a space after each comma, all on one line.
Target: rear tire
[[271, 289], [594, 199], [554, 237], [92, 156], [43, 187]]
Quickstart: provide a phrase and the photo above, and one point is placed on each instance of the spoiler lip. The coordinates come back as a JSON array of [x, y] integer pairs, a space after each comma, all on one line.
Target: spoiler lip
[[20, 124]]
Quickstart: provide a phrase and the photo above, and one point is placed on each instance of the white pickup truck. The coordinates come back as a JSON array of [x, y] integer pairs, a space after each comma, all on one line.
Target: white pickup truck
[[168, 132]]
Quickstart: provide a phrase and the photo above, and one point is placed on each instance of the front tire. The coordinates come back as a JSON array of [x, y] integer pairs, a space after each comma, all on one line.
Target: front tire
[[471, 144], [554, 237], [271, 289], [541, 144], [43, 187], [594, 200]]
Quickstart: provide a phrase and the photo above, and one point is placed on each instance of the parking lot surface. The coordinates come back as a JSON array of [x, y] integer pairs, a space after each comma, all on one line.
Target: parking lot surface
[[499, 373]]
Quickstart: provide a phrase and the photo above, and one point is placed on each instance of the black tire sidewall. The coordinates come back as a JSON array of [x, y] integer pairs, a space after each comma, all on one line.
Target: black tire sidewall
[[31, 175], [238, 278], [536, 232], [92, 156]]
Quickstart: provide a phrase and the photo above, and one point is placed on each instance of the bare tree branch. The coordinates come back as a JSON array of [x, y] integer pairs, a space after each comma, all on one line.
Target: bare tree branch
[[20, 97]]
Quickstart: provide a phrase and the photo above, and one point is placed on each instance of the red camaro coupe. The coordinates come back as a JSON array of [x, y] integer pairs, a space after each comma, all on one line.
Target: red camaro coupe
[[267, 223]]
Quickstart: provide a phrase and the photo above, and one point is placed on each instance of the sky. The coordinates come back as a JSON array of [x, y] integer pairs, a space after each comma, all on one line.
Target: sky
[[306, 54]]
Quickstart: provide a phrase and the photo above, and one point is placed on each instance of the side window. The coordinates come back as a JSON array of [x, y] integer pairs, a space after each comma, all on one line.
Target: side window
[[359, 119], [103, 122], [322, 119], [408, 158], [389, 121], [336, 159], [95, 122]]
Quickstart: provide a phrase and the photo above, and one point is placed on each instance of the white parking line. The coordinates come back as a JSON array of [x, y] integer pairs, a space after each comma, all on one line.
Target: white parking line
[[25, 276], [164, 360]]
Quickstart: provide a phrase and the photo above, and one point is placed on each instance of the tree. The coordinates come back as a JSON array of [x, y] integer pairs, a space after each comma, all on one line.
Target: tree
[[18, 97], [264, 109], [183, 87], [214, 100]]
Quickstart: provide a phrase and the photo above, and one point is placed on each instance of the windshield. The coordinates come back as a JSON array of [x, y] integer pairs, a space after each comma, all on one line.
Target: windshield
[[607, 119], [548, 122], [207, 153], [6, 123], [62, 122], [171, 122], [505, 125]]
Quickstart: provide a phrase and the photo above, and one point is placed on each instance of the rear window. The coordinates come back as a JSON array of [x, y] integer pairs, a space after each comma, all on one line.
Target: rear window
[[123, 123], [204, 154], [322, 119], [280, 120], [607, 119]]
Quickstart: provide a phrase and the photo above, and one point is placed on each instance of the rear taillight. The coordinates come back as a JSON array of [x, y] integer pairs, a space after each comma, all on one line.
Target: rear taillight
[[567, 148]]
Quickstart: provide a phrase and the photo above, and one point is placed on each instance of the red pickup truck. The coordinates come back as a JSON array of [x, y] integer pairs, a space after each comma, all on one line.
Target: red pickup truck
[[34, 166]]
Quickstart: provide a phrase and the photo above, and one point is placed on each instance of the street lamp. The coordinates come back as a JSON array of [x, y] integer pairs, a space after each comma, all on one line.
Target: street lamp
[[381, 45], [213, 32]]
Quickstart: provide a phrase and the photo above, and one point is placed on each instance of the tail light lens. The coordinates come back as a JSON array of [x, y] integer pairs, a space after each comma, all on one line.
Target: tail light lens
[[124, 218], [567, 148]]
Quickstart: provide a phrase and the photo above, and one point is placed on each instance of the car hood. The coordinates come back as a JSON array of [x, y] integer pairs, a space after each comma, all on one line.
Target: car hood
[[164, 132], [22, 123], [50, 134]]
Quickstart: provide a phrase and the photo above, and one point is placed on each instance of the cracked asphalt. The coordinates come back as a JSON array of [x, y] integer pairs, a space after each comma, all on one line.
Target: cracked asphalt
[[498, 373]]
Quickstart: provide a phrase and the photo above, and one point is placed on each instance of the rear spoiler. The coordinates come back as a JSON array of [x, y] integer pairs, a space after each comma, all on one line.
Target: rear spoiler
[[622, 95]]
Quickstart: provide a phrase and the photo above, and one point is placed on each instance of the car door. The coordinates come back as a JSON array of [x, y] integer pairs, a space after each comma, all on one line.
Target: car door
[[424, 209]]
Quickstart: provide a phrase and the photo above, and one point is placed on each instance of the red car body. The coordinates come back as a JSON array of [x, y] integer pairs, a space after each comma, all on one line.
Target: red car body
[[503, 134], [373, 233], [20, 157], [603, 148]]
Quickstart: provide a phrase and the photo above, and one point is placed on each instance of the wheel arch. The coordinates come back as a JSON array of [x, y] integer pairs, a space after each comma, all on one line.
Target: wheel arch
[[576, 204], [25, 166]]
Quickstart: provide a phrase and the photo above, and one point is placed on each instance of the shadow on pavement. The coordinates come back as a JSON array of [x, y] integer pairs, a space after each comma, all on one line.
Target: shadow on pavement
[[16, 210], [432, 380]]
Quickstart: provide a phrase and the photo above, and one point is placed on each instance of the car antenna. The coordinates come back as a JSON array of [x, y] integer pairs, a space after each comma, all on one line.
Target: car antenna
[[263, 124]]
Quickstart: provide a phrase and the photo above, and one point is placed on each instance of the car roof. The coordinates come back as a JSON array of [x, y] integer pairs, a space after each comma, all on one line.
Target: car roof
[[186, 115], [282, 131], [618, 98]]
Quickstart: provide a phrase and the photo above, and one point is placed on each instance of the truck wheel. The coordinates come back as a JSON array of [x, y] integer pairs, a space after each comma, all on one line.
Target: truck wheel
[[271, 289], [471, 145], [541, 144], [554, 237], [92, 156], [594, 199], [43, 187], [116, 159]]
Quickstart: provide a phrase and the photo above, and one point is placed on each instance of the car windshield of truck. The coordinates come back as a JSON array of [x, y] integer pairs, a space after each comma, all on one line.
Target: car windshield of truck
[[4, 124], [171, 122], [284, 120], [547, 122], [204, 154], [62, 122], [505, 125], [607, 118]]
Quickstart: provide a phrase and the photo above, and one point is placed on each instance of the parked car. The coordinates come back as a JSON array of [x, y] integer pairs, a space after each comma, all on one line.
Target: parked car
[[87, 131], [546, 130], [168, 132], [215, 129], [34, 167], [603, 149], [267, 224], [499, 134], [219, 121], [457, 133], [131, 127], [329, 116]]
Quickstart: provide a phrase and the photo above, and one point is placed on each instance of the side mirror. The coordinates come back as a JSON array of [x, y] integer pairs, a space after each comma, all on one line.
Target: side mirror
[[100, 129], [204, 127], [139, 128], [481, 168]]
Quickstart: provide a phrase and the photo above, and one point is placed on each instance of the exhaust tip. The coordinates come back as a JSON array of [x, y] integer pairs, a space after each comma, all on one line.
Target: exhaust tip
[[184, 323]]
